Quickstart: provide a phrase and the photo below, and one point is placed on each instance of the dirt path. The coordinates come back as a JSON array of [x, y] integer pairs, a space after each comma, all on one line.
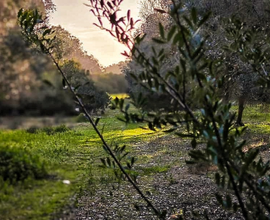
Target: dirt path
[[179, 189]]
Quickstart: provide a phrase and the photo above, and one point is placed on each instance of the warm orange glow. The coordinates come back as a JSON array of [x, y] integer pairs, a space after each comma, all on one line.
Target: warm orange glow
[[75, 17]]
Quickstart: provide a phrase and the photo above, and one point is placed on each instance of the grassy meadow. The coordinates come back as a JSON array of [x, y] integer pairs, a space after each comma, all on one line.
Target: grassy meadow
[[71, 157]]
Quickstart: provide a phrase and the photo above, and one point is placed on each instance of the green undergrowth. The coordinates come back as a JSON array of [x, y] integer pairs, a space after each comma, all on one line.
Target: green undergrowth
[[257, 122], [256, 118], [155, 169], [18, 165], [71, 159]]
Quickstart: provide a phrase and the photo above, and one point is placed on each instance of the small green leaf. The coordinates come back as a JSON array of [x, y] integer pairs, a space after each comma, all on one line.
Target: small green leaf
[[64, 84], [109, 161], [96, 122], [194, 15], [228, 202], [103, 162], [194, 143], [127, 107], [128, 165], [188, 22], [122, 149], [161, 31], [171, 33], [46, 32], [151, 127], [20, 13], [204, 19], [219, 199], [132, 160], [235, 207], [178, 39], [158, 41], [217, 178], [47, 82]]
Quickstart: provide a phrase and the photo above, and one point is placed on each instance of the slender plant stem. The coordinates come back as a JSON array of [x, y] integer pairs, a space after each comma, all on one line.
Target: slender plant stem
[[149, 203], [244, 211]]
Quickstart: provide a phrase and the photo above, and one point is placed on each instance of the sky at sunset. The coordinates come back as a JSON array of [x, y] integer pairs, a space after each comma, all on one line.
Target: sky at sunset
[[75, 17]]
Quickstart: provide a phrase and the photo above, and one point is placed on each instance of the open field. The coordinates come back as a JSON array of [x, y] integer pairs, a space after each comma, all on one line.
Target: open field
[[76, 187]]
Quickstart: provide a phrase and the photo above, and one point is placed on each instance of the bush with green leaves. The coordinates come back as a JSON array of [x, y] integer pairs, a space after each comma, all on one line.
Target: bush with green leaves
[[111, 83], [239, 83], [18, 165], [194, 78], [94, 98]]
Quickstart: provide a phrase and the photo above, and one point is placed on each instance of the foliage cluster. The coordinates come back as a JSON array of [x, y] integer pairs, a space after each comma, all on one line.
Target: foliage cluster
[[25, 73], [49, 130], [18, 165], [94, 98], [193, 78], [111, 83], [74, 155], [68, 47], [69, 154], [239, 82], [192, 82], [42, 37]]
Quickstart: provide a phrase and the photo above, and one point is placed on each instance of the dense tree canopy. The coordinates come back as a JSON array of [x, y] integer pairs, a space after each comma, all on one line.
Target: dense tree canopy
[[240, 80], [19, 71], [180, 65], [70, 47], [23, 70], [211, 128]]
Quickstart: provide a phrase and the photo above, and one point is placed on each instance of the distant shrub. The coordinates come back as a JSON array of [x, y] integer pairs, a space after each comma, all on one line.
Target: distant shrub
[[81, 118], [111, 83], [61, 129], [194, 77], [47, 130], [32, 130], [19, 165], [54, 130]]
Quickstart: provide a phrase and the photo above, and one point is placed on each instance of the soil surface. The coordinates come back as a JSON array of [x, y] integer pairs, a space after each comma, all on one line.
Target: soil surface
[[181, 189]]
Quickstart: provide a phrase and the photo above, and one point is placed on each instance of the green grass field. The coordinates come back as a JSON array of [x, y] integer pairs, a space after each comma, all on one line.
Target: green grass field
[[69, 154], [74, 155]]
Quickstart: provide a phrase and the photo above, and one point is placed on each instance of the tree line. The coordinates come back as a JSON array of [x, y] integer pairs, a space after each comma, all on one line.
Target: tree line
[[192, 69], [29, 83]]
